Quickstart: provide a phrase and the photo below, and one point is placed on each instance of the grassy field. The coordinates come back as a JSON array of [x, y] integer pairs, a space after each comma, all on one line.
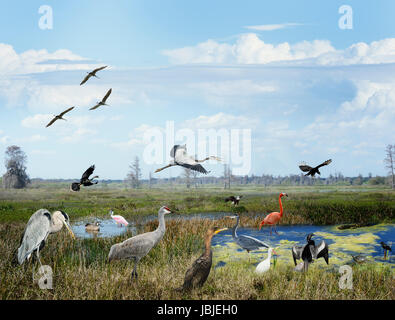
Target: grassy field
[[81, 270]]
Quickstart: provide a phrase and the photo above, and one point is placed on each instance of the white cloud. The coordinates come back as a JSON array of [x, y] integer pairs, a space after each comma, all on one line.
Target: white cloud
[[271, 27], [220, 120]]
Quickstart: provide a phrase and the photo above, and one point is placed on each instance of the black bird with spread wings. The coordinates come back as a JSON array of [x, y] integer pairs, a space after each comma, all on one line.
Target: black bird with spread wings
[[312, 171], [85, 181], [233, 199], [59, 117], [92, 74], [103, 101]]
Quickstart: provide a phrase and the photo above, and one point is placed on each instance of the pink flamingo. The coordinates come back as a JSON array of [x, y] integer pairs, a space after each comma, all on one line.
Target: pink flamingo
[[119, 219], [273, 218]]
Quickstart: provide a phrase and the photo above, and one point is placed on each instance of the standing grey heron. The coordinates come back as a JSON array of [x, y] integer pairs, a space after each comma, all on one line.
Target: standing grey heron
[[198, 273], [103, 101], [246, 242], [59, 117], [181, 158], [39, 226], [85, 180], [138, 246], [92, 74]]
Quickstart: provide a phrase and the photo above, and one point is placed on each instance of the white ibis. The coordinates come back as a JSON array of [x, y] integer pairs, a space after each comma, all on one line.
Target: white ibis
[[181, 158], [264, 265], [59, 117], [138, 246], [85, 181], [92, 74], [103, 101]]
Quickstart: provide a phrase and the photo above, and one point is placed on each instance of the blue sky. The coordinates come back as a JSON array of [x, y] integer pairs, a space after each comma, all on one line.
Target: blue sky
[[306, 89]]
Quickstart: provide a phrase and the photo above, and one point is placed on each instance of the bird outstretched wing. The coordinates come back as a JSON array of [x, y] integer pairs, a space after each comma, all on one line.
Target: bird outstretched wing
[[98, 69], [195, 167], [305, 167], [64, 112], [51, 122], [87, 173], [231, 198], [107, 95], [251, 243], [85, 79], [95, 107], [324, 163], [75, 186]]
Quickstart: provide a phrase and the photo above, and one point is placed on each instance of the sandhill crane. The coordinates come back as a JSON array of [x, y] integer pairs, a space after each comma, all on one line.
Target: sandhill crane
[[181, 158], [39, 226], [312, 171], [264, 265], [138, 246], [273, 218], [92, 74], [59, 117], [198, 273], [103, 101], [119, 219], [235, 200], [85, 181]]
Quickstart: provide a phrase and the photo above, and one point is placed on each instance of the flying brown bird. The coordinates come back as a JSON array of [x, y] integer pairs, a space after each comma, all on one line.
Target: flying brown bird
[[59, 116], [312, 171], [103, 101], [92, 74]]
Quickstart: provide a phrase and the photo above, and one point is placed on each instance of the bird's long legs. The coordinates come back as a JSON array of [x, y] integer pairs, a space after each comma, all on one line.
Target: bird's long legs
[[134, 272], [160, 169]]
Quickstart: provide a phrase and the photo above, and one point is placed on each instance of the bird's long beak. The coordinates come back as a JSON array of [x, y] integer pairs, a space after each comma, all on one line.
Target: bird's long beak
[[261, 224], [218, 231], [69, 229]]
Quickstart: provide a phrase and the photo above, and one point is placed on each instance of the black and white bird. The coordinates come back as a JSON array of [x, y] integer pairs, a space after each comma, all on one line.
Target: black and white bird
[[310, 251], [181, 158], [85, 181], [59, 117], [235, 200], [386, 248], [312, 171], [92, 74], [103, 101]]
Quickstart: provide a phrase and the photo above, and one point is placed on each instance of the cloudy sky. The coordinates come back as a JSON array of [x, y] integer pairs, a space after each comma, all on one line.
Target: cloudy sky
[[307, 89]]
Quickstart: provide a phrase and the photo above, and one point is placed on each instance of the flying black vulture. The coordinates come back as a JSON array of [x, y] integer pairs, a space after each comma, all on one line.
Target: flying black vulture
[[312, 171]]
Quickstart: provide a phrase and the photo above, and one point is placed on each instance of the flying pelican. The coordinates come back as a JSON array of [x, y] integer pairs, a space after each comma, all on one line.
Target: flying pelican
[[181, 158], [310, 251], [92, 74], [386, 248], [59, 117], [85, 181], [264, 265], [234, 200], [273, 218], [198, 273], [39, 226], [119, 219], [138, 246], [312, 171], [246, 242], [92, 226], [103, 101]]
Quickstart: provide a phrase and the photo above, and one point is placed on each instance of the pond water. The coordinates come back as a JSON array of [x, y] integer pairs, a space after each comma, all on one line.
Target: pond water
[[108, 228]]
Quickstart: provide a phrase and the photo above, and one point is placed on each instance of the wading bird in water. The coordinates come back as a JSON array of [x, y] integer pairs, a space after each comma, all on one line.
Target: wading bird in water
[[39, 226], [138, 246], [386, 248], [119, 219], [59, 117], [197, 275], [85, 181], [273, 218], [92, 74], [181, 158], [103, 101], [312, 171]]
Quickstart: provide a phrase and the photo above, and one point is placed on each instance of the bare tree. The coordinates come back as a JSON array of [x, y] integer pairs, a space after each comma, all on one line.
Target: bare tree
[[187, 177], [15, 162], [134, 176], [389, 162], [227, 176]]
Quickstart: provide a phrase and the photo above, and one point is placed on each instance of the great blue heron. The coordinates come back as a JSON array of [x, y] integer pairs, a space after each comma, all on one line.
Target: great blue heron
[[59, 117], [138, 246], [235, 200], [85, 180], [312, 171], [310, 251], [246, 242], [103, 101], [92, 226], [39, 226], [91, 74], [181, 158], [198, 273], [264, 265]]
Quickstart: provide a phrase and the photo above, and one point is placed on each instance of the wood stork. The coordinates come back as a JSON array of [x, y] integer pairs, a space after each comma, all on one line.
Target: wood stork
[[59, 117], [119, 219], [235, 200], [85, 181], [197, 275], [181, 158], [264, 265], [312, 171], [39, 226], [138, 246], [92, 74], [103, 101]]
